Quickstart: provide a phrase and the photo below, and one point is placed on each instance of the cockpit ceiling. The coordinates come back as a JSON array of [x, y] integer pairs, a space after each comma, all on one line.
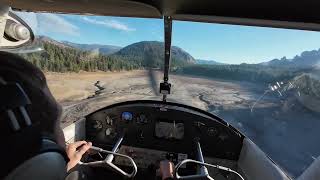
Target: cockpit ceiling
[[270, 13]]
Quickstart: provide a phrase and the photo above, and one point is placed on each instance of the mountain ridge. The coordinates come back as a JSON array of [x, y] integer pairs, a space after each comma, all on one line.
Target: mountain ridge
[[306, 59], [151, 54], [209, 62], [47, 39], [104, 49], [145, 53]]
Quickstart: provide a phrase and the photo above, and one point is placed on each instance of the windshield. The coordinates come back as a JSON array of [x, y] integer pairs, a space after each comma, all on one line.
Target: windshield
[[263, 81]]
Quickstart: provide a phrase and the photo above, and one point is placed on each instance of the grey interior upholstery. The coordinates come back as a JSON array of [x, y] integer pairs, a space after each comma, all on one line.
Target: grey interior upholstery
[[46, 166], [271, 13], [256, 165], [312, 172]]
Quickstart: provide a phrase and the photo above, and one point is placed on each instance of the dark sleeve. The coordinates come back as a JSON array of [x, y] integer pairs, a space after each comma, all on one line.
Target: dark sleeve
[[80, 173], [169, 178]]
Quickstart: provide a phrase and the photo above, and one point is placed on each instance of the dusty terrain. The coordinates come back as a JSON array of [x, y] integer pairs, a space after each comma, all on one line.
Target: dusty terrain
[[288, 135]]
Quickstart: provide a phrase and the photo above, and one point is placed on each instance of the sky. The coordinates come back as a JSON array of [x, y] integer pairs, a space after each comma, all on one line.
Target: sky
[[231, 44]]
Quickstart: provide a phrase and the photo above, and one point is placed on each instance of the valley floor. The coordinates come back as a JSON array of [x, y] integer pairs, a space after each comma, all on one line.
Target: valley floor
[[288, 135]]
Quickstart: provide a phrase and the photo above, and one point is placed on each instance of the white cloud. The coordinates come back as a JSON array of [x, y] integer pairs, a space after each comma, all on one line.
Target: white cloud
[[114, 24], [43, 23], [56, 23]]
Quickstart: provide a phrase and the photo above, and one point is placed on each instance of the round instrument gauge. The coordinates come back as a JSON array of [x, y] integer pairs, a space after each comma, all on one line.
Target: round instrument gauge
[[110, 132], [212, 131], [142, 118], [127, 116], [97, 125], [109, 121]]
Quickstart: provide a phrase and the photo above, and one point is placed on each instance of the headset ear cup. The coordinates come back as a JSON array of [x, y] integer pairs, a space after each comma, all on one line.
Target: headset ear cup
[[29, 154], [49, 166]]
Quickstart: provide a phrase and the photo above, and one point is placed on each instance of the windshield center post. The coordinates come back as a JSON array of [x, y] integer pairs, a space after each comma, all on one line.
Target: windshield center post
[[165, 86]]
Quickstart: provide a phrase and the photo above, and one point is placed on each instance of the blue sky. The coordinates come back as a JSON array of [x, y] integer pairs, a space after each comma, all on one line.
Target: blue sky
[[223, 43]]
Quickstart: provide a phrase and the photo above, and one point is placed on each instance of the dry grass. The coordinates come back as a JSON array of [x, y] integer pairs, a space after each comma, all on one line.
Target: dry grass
[[77, 86]]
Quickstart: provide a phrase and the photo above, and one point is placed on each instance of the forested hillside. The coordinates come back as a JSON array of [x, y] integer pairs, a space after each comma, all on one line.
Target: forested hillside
[[58, 59], [151, 54], [61, 57], [242, 72]]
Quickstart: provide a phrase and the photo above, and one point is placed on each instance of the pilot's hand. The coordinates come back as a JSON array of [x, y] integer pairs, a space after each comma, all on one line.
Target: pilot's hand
[[166, 170], [75, 151]]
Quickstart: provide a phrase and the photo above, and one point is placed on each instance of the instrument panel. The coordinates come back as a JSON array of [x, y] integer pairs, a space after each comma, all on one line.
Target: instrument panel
[[163, 127]]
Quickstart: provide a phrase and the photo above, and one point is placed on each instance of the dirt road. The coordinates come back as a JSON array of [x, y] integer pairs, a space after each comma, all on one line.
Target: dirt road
[[288, 136]]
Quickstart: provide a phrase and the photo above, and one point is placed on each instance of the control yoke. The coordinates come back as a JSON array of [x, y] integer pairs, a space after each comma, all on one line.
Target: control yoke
[[202, 171], [108, 161]]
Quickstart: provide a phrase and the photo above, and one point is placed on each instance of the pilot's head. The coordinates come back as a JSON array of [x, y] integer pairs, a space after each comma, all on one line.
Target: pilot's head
[[43, 110]]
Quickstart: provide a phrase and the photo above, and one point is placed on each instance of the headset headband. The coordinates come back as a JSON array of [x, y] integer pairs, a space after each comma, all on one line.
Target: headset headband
[[13, 98]]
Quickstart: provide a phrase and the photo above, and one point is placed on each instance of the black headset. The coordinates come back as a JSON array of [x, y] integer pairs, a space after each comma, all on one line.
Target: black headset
[[27, 153]]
